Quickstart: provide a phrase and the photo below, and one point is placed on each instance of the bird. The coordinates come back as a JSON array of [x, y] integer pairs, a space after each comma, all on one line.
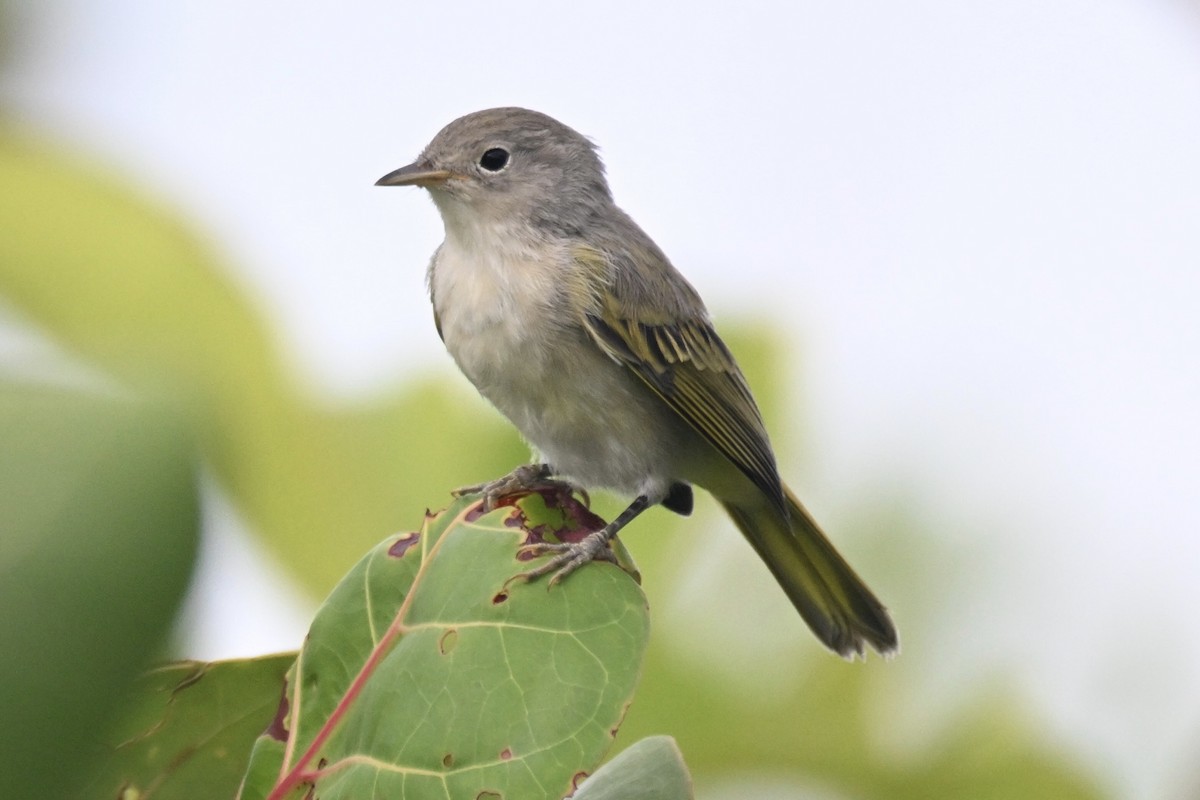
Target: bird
[[569, 319]]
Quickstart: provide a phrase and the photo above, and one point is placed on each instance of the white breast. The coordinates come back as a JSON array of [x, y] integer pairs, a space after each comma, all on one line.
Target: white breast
[[504, 318], [493, 301]]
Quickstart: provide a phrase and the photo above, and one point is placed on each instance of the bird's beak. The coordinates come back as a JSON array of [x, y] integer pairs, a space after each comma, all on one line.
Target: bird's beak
[[415, 174]]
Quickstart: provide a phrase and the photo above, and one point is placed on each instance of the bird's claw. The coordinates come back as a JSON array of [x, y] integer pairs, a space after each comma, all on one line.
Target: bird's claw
[[519, 480], [569, 557], [523, 479]]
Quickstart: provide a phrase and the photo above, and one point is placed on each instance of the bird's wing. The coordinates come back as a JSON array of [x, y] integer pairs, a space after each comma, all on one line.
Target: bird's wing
[[685, 363]]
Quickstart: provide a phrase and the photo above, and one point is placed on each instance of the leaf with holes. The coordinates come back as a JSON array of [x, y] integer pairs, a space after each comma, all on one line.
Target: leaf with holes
[[431, 673]]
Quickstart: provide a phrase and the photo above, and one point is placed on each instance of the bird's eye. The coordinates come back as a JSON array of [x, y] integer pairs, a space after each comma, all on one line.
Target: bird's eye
[[494, 160]]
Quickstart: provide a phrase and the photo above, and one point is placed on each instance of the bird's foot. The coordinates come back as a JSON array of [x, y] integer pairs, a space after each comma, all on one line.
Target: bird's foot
[[569, 557], [522, 480]]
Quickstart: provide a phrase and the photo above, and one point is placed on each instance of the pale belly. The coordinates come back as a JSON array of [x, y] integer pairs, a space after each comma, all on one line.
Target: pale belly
[[588, 417]]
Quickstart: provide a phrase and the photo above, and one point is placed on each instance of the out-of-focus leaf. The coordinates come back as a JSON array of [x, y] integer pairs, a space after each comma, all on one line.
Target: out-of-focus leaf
[[122, 283], [98, 527], [652, 769], [811, 718], [187, 729], [430, 673]]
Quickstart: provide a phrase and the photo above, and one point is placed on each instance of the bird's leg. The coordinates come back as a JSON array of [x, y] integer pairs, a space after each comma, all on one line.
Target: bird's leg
[[573, 555], [524, 478]]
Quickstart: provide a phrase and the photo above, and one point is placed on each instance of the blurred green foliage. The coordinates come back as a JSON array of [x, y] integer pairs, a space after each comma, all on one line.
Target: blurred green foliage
[[123, 285], [98, 531], [185, 730]]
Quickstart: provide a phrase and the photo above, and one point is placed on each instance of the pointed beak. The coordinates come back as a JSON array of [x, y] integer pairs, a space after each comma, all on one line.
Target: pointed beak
[[415, 174]]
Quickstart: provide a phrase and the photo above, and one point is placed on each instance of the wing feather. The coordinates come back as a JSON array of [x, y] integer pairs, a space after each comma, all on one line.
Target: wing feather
[[686, 364]]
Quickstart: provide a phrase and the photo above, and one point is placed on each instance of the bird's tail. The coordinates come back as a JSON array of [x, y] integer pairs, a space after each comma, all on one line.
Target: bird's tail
[[834, 601]]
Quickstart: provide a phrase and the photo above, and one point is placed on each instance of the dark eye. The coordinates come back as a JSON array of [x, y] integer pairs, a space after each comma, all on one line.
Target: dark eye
[[494, 160]]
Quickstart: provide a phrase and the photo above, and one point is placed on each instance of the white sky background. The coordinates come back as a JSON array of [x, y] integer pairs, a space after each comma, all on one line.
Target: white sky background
[[979, 222]]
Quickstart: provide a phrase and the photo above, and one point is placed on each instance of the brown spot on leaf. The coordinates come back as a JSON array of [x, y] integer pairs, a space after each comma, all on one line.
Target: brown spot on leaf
[[510, 500], [620, 721], [500, 597], [534, 534], [576, 779], [580, 520], [506, 754], [277, 730], [577, 519], [488, 794], [448, 641], [401, 545], [448, 760], [475, 512], [199, 670]]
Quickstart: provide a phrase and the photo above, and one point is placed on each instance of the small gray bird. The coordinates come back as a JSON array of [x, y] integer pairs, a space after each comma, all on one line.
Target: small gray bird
[[571, 321]]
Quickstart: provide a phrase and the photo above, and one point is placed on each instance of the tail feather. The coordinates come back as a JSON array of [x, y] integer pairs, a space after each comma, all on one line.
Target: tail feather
[[834, 601]]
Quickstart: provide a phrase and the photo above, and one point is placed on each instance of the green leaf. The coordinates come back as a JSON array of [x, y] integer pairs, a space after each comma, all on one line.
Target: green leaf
[[651, 769], [431, 673], [188, 729], [98, 532]]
